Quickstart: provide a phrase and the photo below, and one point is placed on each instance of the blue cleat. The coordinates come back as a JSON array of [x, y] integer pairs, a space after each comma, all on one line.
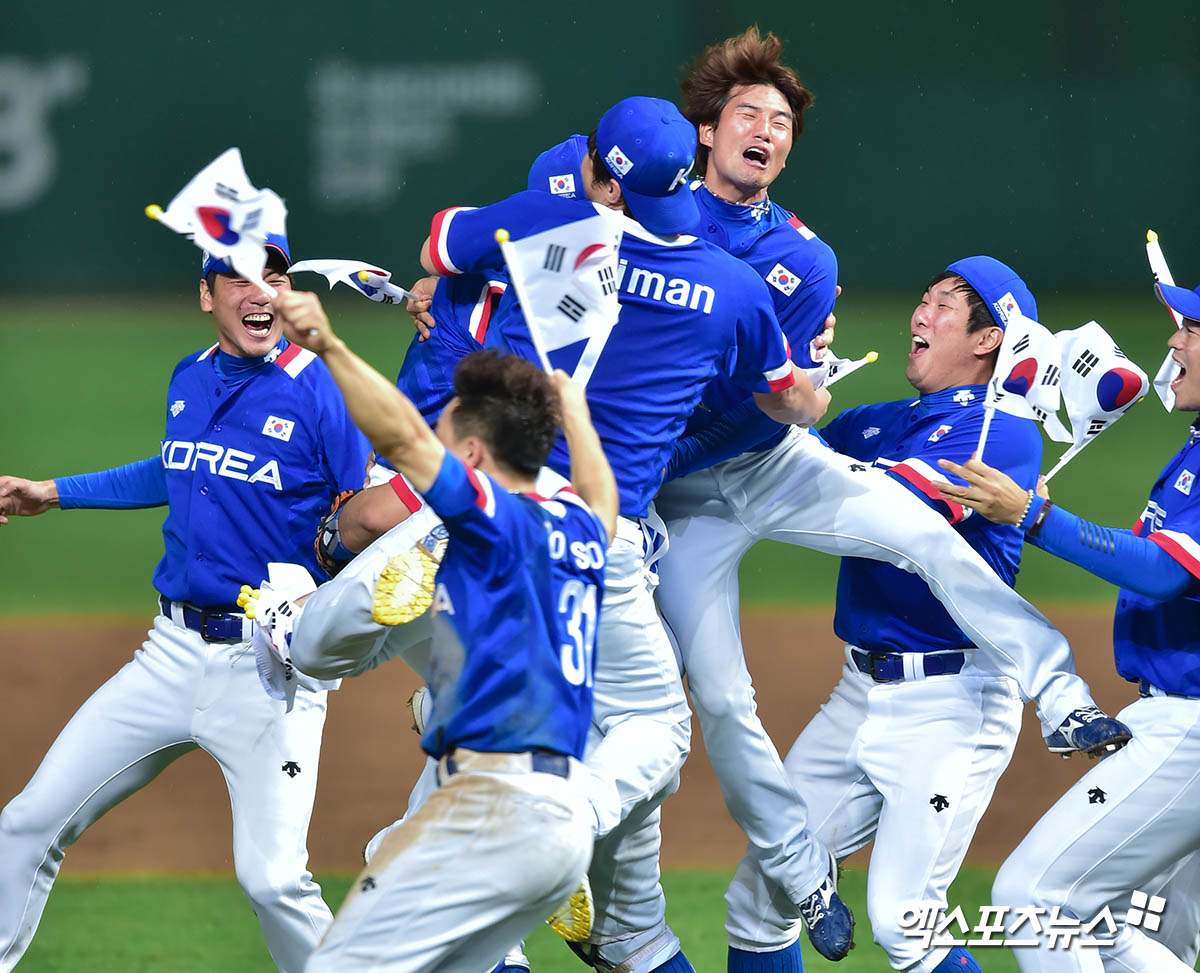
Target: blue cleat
[[829, 921], [1088, 730], [958, 960]]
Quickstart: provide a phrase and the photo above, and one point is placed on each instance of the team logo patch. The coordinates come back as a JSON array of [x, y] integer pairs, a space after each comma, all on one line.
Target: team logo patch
[[177, 407], [783, 279], [871, 431], [964, 396], [1185, 481], [939, 432], [563, 185], [1006, 307], [278, 428], [618, 161]]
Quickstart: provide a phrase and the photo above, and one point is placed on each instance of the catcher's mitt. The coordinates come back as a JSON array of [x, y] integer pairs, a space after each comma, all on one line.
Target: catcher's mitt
[[331, 555]]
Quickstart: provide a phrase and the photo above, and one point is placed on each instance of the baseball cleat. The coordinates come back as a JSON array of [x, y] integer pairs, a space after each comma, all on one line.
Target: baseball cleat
[[829, 921], [1088, 730], [573, 919]]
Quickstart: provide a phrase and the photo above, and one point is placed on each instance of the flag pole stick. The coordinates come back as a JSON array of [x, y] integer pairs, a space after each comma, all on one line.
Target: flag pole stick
[[869, 358], [515, 274], [988, 412]]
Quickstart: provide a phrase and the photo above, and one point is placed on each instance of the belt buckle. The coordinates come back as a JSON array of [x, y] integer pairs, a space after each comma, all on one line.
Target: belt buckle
[[874, 657], [204, 628]]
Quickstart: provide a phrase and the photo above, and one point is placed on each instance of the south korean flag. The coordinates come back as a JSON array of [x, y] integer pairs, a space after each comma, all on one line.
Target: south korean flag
[[1026, 378], [1099, 384], [783, 279], [566, 282]]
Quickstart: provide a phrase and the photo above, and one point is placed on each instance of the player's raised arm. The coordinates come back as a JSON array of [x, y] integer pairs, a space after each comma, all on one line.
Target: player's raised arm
[[799, 403], [378, 408], [591, 476]]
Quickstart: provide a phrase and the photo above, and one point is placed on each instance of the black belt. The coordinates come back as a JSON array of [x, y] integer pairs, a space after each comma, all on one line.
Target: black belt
[[542, 762], [889, 666], [1144, 688], [212, 626]]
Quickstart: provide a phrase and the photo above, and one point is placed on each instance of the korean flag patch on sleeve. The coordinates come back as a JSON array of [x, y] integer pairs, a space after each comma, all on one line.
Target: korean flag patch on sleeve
[[783, 279]]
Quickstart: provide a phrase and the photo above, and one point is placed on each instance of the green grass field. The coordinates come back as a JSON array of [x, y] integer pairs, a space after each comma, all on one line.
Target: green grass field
[[82, 387], [203, 925]]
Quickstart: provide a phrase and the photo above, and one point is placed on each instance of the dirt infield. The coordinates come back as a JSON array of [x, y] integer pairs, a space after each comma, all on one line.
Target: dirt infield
[[181, 822]]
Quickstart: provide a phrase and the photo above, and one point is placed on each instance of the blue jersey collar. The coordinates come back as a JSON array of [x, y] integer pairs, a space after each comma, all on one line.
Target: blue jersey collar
[[233, 369], [958, 396], [751, 213]]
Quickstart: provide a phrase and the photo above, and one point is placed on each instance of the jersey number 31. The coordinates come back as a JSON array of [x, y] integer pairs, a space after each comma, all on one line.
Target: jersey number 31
[[577, 606]]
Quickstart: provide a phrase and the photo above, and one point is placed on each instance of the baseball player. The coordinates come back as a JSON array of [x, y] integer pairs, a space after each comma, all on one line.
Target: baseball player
[[1131, 820], [908, 749], [514, 615], [785, 484], [257, 442], [667, 343]]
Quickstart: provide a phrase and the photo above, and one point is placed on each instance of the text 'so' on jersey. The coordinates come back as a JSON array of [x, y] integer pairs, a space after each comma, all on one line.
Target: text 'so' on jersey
[[515, 613], [1159, 641], [688, 312]]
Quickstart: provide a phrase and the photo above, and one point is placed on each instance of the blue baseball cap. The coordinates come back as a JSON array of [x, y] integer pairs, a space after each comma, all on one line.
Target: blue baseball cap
[[557, 170], [998, 284], [277, 254], [649, 148], [1180, 300]]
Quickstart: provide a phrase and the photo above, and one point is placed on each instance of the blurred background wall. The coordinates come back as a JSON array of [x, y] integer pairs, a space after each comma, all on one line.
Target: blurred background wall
[[1049, 133]]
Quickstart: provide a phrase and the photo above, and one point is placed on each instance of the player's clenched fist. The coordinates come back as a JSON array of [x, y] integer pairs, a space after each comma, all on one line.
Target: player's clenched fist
[[26, 498], [304, 320]]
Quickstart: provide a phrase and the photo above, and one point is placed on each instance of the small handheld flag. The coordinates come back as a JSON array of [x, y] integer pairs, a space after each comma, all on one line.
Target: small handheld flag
[[1025, 381], [566, 281], [1168, 371], [370, 281], [227, 217], [839, 368], [1099, 385]]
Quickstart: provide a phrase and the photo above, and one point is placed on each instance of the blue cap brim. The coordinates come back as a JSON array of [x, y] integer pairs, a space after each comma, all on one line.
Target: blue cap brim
[[664, 215], [1180, 300]]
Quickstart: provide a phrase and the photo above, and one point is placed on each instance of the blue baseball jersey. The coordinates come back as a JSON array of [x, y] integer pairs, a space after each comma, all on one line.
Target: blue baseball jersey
[[462, 310], [688, 312], [1159, 641], [250, 471], [515, 611], [880, 607], [799, 268]]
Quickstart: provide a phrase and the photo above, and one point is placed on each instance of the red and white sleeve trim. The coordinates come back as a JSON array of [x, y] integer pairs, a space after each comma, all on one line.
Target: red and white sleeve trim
[[485, 499], [924, 477], [481, 313], [294, 359], [438, 254], [780, 378], [1181, 547], [403, 489]]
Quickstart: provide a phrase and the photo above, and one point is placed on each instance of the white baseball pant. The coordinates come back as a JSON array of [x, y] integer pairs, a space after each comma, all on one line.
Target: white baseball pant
[[176, 694], [1123, 825], [492, 852], [804, 493], [911, 765]]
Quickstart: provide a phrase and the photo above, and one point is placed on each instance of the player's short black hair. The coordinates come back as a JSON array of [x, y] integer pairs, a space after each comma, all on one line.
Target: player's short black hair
[[601, 173], [509, 403], [978, 315]]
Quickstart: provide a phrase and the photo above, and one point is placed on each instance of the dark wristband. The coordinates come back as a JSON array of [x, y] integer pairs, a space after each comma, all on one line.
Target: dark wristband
[[1039, 520]]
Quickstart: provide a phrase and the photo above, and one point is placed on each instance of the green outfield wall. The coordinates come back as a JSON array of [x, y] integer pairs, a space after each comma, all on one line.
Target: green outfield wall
[[1049, 134]]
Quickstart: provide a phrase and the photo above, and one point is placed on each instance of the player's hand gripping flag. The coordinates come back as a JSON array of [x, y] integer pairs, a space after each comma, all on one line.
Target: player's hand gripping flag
[[566, 280], [222, 213], [1025, 381], [367, 279], [1099, 384], [1168, 371]]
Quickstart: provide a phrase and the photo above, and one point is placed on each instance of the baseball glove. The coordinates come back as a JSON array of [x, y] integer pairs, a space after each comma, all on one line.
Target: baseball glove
[[331, 555], [404, 590]]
